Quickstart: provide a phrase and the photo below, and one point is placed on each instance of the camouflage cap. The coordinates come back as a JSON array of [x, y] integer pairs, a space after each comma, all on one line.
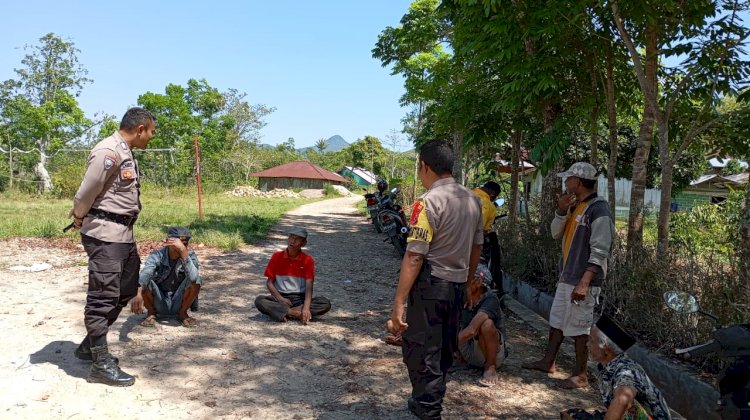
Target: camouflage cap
[[483, 273], [581, 170]]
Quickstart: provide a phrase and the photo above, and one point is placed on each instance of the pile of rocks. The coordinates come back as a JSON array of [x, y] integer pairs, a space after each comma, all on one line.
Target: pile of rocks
[[248, 191], [342, 190]]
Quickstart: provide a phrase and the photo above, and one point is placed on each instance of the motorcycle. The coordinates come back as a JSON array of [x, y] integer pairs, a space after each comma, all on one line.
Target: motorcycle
[[731, 342], [373, 207], [393, 222]]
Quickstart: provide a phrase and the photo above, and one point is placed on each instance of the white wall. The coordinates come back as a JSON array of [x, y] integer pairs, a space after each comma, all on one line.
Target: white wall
[[622, 191]]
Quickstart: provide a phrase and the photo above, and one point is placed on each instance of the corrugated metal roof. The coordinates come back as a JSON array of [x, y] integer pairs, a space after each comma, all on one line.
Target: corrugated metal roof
[[722, 181], [300, 169], [364, 174]]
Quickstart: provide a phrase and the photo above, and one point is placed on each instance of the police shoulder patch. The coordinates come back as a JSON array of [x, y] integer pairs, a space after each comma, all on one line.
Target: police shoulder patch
[[124, 145], [420, 224], [109, 161]]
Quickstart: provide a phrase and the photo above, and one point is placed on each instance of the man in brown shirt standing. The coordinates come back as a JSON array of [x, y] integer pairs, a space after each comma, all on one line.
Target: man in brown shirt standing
[[442, 252], [105, 208]]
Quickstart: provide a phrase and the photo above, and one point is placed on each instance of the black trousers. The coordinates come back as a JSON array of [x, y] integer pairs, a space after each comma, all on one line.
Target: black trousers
[[267, 305], [431, 338], [113, 281]]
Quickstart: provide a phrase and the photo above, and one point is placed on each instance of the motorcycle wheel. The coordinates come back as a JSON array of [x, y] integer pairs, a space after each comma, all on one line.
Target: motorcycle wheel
[[396, 241], [376, 222]]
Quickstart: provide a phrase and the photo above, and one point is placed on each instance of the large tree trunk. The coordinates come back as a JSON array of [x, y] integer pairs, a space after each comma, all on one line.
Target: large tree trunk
[[744, 245], [458, 167], [667, 171], [45, 181], [594, 111], [515, 140], [645, 138], [551, 184], [613, 140]]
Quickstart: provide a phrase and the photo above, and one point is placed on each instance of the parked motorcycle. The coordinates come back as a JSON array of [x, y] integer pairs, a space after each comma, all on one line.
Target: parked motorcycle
[[393, 221], [373, 207], [730, 342]]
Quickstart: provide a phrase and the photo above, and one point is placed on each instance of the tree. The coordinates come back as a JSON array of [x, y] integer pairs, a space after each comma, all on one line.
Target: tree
[[321, 145], [43, 98], [686, 107], [248, 119], [183, 111], [287, 146], [368, 153], [527, 53]]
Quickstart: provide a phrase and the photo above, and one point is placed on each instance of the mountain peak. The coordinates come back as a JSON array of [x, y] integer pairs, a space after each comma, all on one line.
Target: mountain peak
[[336, 143]]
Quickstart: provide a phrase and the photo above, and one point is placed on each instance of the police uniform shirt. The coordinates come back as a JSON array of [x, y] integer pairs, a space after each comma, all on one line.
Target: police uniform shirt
[[445, 223], [111, 184]]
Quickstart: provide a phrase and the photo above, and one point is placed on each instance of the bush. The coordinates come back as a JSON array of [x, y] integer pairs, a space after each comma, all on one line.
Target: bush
[[329, 191], [702, 260], [708, 229]]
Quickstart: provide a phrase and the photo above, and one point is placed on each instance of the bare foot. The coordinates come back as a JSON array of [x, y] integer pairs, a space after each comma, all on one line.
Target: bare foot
[[539, 365], [295, 313], [574, 382], [149, 322]]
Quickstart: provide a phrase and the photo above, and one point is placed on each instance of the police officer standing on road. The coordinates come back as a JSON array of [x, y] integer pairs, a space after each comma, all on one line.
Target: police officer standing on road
[[105, 208], [444, 245]]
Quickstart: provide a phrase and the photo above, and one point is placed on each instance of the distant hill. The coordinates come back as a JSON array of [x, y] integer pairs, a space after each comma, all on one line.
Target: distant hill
[[335, 143]]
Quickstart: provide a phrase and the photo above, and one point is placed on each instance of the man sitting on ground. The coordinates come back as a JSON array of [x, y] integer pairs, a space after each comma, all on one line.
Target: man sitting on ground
[[481, 342], [169, 282], [290, 274], [626, 390]]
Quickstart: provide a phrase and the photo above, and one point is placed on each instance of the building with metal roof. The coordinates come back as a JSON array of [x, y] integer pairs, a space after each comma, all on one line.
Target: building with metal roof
[[298, 174]]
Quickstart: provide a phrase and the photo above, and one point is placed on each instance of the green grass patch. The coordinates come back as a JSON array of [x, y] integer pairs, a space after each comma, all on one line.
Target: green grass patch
[[362, 208], [228, 222]]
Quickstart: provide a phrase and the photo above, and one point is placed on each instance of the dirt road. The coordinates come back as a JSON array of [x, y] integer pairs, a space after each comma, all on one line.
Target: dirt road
[[238, 363]]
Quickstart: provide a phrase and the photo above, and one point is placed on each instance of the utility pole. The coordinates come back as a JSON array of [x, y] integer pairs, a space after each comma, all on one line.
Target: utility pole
[[198, 176]]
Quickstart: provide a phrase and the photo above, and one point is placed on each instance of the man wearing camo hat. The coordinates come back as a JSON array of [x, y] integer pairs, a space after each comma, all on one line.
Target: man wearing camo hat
[[481, 341], [584, 224]]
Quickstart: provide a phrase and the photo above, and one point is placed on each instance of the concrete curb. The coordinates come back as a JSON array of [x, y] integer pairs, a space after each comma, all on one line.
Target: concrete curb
[[683, 392]]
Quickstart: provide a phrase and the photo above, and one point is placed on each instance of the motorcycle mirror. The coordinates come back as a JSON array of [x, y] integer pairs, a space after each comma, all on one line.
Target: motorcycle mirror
[[499, 202], [394, 191], [682, 302]]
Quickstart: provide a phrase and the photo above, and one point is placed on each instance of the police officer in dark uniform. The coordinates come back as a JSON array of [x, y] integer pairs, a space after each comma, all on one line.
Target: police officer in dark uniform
[[444, 245], [106, 206]]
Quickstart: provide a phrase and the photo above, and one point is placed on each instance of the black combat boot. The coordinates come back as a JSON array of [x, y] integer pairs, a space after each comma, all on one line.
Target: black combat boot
[[104, 370], [83, 351]]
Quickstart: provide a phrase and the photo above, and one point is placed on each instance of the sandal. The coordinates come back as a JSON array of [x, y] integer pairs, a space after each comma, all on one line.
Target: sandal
[[149, 322], [189, 322]]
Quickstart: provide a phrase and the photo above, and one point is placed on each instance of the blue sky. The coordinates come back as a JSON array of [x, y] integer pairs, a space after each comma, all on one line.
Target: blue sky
[[310, 60]]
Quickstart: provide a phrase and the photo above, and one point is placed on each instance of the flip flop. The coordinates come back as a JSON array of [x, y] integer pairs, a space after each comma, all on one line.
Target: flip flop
[[189, 322], [393, 340], [149, 323], [483, 382]]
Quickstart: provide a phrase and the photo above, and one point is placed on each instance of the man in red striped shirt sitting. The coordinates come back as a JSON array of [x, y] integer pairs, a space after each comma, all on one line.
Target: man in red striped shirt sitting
[[290, 274]]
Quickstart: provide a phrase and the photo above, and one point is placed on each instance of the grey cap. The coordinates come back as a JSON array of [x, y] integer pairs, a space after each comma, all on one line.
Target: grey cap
[[581, 170], [178, 232], [298, 231]]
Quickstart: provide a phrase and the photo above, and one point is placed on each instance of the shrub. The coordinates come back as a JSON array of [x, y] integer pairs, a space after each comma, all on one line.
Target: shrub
[[329, 191], [702, 260]]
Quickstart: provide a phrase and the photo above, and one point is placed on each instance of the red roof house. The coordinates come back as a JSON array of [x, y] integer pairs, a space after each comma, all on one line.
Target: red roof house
[[297, 174]]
